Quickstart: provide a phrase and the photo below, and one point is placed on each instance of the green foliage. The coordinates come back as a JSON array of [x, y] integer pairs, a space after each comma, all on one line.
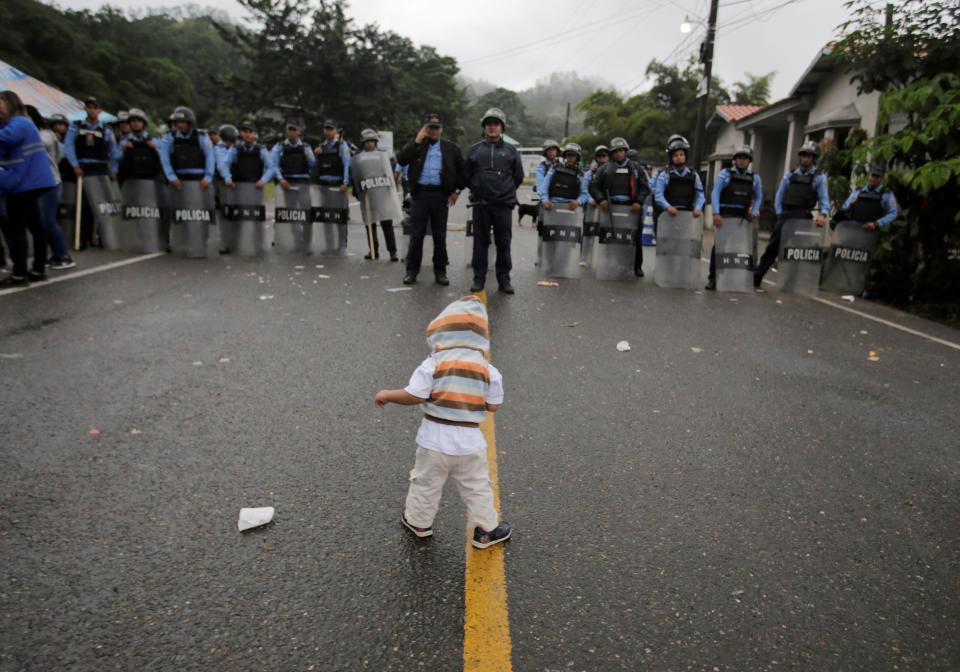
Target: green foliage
[[914, 62], [755, 91]]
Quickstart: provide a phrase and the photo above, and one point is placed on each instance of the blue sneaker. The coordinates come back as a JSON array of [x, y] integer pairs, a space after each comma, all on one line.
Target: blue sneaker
[[484, 539], [419, 531]]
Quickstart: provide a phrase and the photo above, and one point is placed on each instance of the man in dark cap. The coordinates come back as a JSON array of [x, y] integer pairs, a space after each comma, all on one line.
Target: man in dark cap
[[333, 157], [435, 175], [874, 206]]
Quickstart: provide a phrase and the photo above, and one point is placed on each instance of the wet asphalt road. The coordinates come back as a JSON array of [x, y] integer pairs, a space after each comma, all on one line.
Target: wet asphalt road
[[743, 490]]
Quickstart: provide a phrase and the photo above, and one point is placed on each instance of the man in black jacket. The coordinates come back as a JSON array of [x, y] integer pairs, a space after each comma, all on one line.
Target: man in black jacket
[[493, 171], [435, 176]]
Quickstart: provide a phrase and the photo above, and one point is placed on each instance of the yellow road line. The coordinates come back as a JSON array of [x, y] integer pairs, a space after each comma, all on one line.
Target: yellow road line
[[486, 629]]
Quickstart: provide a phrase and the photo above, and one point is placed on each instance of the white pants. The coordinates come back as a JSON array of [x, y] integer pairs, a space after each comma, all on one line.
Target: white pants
[[469, 472]]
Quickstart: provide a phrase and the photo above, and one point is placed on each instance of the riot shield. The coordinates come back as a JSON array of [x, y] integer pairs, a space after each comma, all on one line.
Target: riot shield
[[848, 260], [678, 250], [561, 233], [330, 211], [591, 228], [293, 230], [243, 228], [103, 196], [191, 215], [142, 225], [67, 211], [373, 177], [798, 269], [616, 243], [734, 241]]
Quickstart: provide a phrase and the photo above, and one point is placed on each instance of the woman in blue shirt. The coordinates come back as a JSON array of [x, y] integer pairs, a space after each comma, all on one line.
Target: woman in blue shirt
[[25, 175]]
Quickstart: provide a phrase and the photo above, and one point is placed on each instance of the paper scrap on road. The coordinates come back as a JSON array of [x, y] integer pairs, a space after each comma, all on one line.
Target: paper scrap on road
[[254, 517], [198, 363], [298, 267], [547, 283], [364, 277], [623, 346], [266, 297], [399, 289], [94, 431], [322, 276], [697, 350], [873, 356], [224, 360], [849, 297], [573, 324], [12, 355], [135, 431]]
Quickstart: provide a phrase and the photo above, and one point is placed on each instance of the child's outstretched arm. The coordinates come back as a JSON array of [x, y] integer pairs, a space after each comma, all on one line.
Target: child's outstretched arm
[[403, 397]]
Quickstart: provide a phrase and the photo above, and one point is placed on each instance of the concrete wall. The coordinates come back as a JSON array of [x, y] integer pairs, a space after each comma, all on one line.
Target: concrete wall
[[836, 92]]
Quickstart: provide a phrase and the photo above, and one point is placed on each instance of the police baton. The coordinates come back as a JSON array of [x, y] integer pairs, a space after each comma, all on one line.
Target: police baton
[[77, 212], [366, 206]]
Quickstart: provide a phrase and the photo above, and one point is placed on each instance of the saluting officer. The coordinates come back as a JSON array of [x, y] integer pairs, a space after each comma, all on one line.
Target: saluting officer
[[874, 206], [737, 193], [91, 149], [801, 190], [187, 153], [292, 159], [565, 183], [369, 140], [622, 181], [332, 158], [493, 170], [435, 176]]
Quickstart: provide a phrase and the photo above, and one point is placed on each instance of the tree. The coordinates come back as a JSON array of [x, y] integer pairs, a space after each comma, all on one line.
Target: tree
[[755, 91], [912, 55]]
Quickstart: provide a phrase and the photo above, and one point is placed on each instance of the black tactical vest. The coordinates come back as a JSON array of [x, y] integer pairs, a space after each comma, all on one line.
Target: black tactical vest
[[800, 194], [90, 144], [329, 162], [565, 183], [680, 191], [187, 153], [735, 198], [293, 161], [141, 161], [868, 207], [249, 165], [622, 182], [66, 171]]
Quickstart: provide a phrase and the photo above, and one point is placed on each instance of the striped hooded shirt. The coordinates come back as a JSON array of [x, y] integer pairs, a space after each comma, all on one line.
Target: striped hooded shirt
[[459, 340]]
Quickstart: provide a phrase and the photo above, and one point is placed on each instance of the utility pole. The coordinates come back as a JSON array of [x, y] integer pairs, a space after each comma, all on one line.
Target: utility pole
[[703, 92], [566, 124]]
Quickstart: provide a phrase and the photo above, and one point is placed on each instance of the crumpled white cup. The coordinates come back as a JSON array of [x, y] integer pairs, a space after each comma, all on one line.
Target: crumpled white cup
[[255, 517], [623, 346]]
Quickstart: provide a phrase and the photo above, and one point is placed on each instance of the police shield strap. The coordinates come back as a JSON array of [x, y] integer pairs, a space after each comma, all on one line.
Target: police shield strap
[[330, 210], [798, 268], [191, 214], [616, 243], [560, 252], [734, 254], [378, 196], [678, 250], [243, 228], [103, 196], [142, 227], [293, 230], [848, 259]]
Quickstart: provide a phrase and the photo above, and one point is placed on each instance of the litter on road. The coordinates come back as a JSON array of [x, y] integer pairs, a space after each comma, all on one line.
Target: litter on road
[[547, 283], [254, 517], [623, 346], [399, 289]]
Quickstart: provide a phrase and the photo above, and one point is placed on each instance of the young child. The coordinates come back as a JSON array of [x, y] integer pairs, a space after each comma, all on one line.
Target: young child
[[457, 387]]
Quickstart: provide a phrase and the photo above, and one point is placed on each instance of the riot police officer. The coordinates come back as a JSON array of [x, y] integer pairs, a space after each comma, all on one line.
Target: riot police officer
[[247, 160], [801, 190], [188, 153], [736, 192], [624, 182], [369, 140], [493, 170], [141, 150], [434, 172], [601, 154], [565, 183], [292, 159], [551, 150], [873, 206], [678, 187], [332, 158], [122, 127]]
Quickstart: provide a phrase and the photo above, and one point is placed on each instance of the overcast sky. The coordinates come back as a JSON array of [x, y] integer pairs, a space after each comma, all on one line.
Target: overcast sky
[[512, 43]]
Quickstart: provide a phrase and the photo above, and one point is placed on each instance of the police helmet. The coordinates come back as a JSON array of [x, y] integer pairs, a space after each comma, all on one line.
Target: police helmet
[[494, 113], [618, 143], [57, 118], [677, 142], [572, 148], [601, 148], [123, 116], [369, 134], [744, 150], [811, 148], [547, 144], [633, 154], [137, 113], [184, 114], [229, 132]]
